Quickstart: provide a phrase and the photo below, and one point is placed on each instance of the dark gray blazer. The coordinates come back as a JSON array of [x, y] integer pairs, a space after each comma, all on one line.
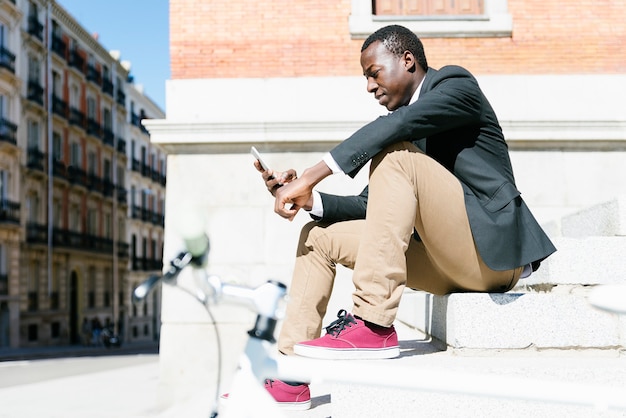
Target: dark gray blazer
[[453, 123]]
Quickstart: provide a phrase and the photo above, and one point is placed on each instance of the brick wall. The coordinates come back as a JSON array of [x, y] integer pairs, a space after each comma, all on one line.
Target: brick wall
[[291, 38]]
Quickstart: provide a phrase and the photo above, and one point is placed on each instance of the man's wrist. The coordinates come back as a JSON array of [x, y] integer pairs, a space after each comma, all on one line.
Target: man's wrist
[[316, 173]]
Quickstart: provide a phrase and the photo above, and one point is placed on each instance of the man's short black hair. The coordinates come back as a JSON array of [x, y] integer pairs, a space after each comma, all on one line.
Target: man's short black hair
[[398, 39]]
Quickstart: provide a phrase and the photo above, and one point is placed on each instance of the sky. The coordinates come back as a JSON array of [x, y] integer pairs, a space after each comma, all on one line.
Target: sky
[[139, 29]]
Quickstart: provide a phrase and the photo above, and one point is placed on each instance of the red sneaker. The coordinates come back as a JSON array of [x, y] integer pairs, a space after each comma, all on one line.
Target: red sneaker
[[290, 397], [349, 338]]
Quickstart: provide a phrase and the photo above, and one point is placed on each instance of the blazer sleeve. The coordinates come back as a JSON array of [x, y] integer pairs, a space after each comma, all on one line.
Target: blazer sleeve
[[343, 208], [452, 99]]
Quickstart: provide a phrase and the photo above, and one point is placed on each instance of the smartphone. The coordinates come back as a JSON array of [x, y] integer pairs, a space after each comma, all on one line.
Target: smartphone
[[257, 155]]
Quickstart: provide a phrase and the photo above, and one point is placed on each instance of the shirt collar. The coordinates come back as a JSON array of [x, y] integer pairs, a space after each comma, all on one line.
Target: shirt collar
[[417, 92]]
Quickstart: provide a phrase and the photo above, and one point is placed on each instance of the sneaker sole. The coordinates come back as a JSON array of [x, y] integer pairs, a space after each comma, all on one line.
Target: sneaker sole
[[326, 353], [294, 406], [287, 406]]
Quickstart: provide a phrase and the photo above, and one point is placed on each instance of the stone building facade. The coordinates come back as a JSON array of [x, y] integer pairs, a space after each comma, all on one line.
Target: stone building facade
[[74, 158]]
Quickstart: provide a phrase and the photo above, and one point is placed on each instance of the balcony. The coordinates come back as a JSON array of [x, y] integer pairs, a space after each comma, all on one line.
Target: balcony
[[59, 169], [35, 159], [107, 86], [77, 118], [146, 264], [36, 233], [158, 219], [122, 249], [94, 128], [77, 61], [146, 171], [122, 195], [108, 188], [9, 212], [136, 212], [77, 176], [59, 106], [58, 46], [7, 59], [108, 137], [94, 183], [54, 300], [121, 97], [64, 238], [121, 145], [135, 120], [156, 176], [34, 92], [8, 132], [35, 27], [4, 285], [94, 75], [136, 165], [33, 301]]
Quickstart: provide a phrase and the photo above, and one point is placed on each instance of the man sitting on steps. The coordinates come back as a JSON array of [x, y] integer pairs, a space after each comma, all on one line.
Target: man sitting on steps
[[441, 212]]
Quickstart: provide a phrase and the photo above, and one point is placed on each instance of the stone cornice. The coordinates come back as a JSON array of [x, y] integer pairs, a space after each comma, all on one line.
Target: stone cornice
[[202, 137]]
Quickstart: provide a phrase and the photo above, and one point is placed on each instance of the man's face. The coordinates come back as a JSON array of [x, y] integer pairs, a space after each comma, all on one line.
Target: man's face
[[389, 77]]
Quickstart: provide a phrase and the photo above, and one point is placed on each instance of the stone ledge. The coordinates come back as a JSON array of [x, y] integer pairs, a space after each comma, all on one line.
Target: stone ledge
[[559, 319], [587, 260]]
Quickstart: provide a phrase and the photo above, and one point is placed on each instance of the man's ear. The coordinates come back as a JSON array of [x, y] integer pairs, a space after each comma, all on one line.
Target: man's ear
[[410, 63]]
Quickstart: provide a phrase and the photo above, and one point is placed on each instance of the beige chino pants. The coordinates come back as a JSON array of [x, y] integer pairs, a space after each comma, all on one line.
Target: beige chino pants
[[407, 190]]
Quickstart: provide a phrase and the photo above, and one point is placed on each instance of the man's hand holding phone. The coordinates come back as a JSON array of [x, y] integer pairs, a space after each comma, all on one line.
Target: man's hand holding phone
[[273, 179]]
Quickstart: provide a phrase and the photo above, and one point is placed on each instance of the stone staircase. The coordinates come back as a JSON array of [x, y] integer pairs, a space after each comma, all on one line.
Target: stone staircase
[[543, 329]]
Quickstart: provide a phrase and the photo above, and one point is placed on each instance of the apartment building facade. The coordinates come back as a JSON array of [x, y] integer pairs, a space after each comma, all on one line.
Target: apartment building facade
[[71, 122]]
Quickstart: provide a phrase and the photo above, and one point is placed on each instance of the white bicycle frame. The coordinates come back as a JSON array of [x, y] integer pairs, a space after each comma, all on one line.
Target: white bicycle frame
[[247, 395]]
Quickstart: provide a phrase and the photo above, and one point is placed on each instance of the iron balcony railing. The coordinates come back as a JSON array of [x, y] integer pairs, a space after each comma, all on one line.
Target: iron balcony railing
[[35, 27], [59, 106], [4, 284], [123, 249], [58, 46], [77, 118], [77, 176], [35, 159], [77, 61], [146, 264], [121, 97], [94, 128], [122, 195], [59, 169], [121, 145], [9, 212], [107, 86], [94, 75], [35, 92], [37, 233], [8, 131], [108, 137], [7, 59]]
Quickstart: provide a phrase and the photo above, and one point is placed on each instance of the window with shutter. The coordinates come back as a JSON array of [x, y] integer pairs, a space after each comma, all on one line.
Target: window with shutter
[[433, 18]]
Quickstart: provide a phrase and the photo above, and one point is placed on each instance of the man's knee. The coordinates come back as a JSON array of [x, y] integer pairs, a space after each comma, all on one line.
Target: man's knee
[[310, 233]]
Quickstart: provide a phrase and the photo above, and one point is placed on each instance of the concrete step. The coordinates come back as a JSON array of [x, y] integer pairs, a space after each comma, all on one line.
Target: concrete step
[[480, 383], [604, 219], [583, 261], [560, 318]]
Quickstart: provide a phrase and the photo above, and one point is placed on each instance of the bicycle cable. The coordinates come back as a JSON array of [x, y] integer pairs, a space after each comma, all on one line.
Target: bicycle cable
[[214, 413]]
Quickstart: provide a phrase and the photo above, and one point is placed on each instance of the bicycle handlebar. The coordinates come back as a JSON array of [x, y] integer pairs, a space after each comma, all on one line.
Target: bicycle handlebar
[[265, 300]]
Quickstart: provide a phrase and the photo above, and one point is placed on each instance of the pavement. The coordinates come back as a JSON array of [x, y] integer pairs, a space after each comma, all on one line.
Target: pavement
[[95, 382], [61, 351]]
